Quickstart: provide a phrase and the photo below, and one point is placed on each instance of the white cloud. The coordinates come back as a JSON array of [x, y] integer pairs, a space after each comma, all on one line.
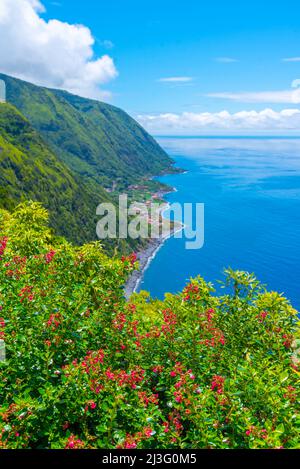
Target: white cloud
[[286, 96], [189, 123], [291, 59], [175, 79], [107, 44], [225, 60], [291, 96], [51, 53], [296, 83]]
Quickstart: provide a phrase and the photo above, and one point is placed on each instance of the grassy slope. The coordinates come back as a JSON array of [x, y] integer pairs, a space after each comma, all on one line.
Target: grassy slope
[[30, 170], [96, 140], [65, 151]]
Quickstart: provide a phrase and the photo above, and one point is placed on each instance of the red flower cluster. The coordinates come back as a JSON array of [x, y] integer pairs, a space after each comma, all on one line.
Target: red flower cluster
[[154, 333], [215, 335], [49, 256], [26, 294], [3, 243], [131, 379], [91, 366], [132, 329], [131, 441], [209, 314], [16, 267], [130, 260], [181, 385], [262, 316], [166, 426], [218, 384], [170, 321], [219, 337], [158, 369], [119, 321], [131, 307], [54, 321], [291, 394], [92, 361], [191, 291], [146, 400], [174, 424], [178, 396], [252, 430], [288, 340], [74, 443], [90, 405], [178, 370]]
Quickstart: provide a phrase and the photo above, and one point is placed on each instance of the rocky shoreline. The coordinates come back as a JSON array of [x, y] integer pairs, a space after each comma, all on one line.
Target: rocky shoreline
[[145, 257]]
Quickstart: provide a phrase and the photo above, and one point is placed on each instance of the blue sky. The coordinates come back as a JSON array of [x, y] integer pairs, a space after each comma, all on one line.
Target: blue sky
[[175, 63], [157, 39]]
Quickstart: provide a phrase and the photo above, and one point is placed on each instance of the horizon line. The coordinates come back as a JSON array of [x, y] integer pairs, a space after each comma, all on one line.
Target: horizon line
[[271, 137]]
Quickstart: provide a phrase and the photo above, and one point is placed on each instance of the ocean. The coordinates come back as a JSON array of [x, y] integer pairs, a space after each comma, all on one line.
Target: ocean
[[251, 191]]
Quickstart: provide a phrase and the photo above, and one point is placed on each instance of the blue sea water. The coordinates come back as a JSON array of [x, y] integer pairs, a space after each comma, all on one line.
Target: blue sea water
[[251, 191]]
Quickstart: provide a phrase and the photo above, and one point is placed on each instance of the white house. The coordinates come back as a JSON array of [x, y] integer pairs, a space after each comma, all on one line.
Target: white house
[[2, 92]]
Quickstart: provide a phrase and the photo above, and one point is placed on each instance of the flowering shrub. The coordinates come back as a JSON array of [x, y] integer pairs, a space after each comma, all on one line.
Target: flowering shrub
[[86, 369]]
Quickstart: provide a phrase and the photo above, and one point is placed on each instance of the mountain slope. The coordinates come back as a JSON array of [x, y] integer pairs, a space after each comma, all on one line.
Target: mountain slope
[[68, 153], [96, 140], [30, 170]]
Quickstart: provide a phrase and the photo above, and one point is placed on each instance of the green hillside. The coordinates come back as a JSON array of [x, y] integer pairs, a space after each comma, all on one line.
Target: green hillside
[[96, 140], [30, 170], [69, 153]]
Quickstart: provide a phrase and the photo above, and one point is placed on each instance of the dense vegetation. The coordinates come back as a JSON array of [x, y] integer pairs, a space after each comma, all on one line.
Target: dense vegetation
[[29, 169], [71, 154], [86, 369], [96, 140]]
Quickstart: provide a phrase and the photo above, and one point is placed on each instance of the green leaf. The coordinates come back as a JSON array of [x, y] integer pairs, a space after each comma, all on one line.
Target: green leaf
[[283, 376]]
